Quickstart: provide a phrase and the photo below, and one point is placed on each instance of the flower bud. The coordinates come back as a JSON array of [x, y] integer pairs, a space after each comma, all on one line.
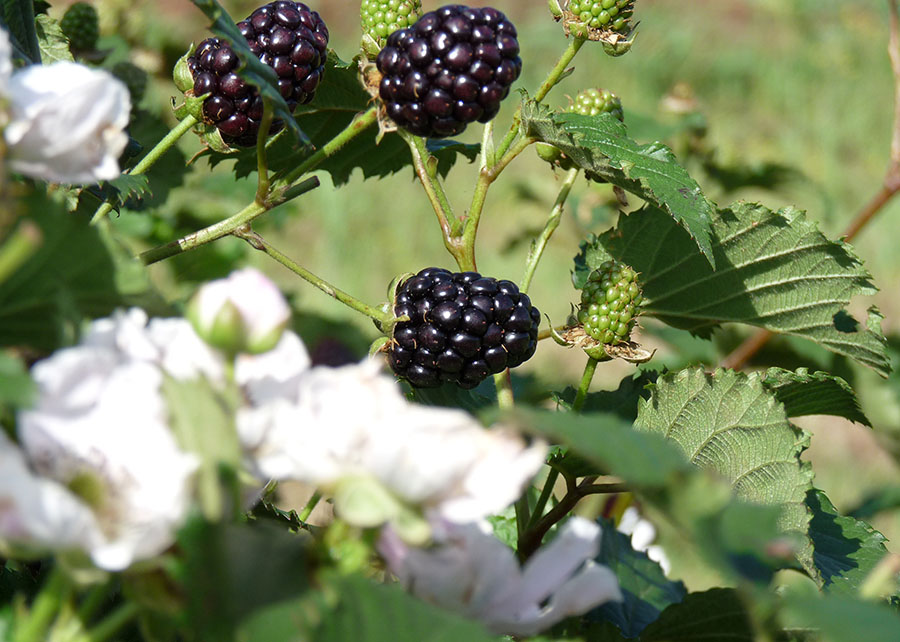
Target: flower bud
[[242, 313]]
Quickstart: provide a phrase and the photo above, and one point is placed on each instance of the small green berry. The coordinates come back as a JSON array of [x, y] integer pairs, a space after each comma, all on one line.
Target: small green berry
[[134, 78], [603, 15], [592, 102], [610, 301], [380, 18], [81, 26]]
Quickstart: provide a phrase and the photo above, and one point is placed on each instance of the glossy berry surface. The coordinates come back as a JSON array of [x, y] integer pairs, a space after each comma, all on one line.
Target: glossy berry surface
[[610, 15], [610, 301], [452, 68], [591, 102], [81, 26], [462, 328], [288, 37], [380, 18]]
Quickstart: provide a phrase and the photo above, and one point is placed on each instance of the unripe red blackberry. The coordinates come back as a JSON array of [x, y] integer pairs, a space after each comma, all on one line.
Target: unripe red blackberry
[[452, 68], [287, 36], [608, 15], [592, 102], [380, 18], [610, 301], [81, 26], [462, 328]]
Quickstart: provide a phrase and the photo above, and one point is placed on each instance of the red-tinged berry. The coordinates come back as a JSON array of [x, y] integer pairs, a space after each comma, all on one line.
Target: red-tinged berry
[[287, 36], [452, 68], [462, 328], [81, 26], [610, 302]]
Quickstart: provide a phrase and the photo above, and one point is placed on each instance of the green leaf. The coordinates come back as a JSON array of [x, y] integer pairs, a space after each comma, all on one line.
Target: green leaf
[[18, 18], [53, 44], [252, 70], [646, 589], [845, 549], [338, 99], [601, 146], [877, 501], [775, 270], [729, 423], [819, 393], [623, 401], [842, 618], [369, 612], [717, 614], [16, 387]]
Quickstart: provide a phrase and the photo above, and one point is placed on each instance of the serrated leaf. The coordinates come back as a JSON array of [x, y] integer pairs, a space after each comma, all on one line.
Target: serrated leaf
[[601, 146], [53, 44], [252, 70], [845, 549], [645, 588], [818, 393], [717, 614], [729, 423], [18, 18], [369, 612], [121, 189], [775, 270], [339, 98]]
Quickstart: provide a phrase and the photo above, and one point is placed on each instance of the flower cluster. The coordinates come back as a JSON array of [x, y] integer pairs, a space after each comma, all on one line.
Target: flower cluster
[[64, 122]]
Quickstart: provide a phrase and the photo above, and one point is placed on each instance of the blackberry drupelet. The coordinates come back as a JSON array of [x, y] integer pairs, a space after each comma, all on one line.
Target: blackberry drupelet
[[380, 18], [452, 68], [610, 15], [462, 328], [610, 301], [290, 38], [591, 102], [81, 26]]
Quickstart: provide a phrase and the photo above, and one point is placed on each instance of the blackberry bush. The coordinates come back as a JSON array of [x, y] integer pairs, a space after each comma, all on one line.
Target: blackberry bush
[[380, 18], [287, 36], [462, 328], [610, 301], [452, 68], [81, 26]]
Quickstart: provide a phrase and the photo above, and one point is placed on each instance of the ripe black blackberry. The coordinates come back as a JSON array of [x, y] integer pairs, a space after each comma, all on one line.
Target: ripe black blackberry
[[462, 327], [290, 38], [451, 68]]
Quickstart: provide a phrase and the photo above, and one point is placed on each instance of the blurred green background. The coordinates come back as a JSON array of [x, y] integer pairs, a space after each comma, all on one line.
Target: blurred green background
[[795, 96]]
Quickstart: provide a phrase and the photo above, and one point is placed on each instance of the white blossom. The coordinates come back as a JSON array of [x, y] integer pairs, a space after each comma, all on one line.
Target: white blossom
[[66, 122], [98, 438], [643, 534], [6, 66], [471, 572], [242, 313], [332, 424]]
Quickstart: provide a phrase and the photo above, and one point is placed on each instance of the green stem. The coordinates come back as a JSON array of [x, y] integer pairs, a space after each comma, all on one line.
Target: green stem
[[586, 378], [218, 230], [310, 506], [46, 605], [358, 125], [546, 493], [93, 602], [503, 384], [550, 82], [259, 243], [150, 159], [111, 624], [604, 489], [18, 248], [537, 250], [262, 158]]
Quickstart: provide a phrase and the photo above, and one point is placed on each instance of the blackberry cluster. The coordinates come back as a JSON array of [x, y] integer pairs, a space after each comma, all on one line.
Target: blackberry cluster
[[609, 303], [81, 26], [382, 17], [591, 102], [452, 68], [603, 14], [287, 36], [462, 327]]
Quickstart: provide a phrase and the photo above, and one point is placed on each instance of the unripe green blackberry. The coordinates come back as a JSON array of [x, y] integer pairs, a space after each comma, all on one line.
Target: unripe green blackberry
[[608, 15], [610, 301], [81, 26], [133, 77], [380, 18], [591, 102]]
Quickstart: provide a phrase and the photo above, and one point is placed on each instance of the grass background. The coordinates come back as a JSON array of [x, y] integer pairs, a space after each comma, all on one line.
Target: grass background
[[803, 83]]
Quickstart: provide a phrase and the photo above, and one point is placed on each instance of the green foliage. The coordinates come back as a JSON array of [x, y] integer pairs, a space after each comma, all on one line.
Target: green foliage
[[729, 423], [16, 387], [774, 270], [717, 614], [819, 393], [842, 618], [600, 145], [54, 45], [18, 18]]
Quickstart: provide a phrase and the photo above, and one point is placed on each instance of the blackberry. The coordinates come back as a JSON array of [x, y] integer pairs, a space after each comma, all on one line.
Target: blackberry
[[382, 17], [610, 301], [462, 327], [608, 15], [134, 78], [290, 38], [81, 26], [591, 102], [452, 68]]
